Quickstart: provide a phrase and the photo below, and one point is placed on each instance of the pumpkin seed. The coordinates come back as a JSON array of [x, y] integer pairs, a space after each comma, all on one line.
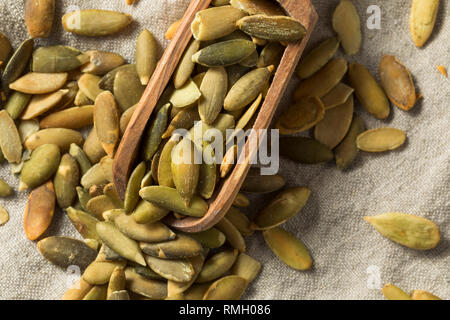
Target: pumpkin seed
[[147, 212], [72, 118], [368, 92], [235, 72], [92, 147], [39, 17], [128, 89], [16, 104], [17, 64], [224, 53], [272, 28], [146, 56], [246, 267], [213, 90], [232, 234], [337, 96], [208, 174], [83, 197], [81, 99], [97, 293], [5, 189], [206, 26], [99, 204], [251, 61], [63, 138], [423, 295], [186, 95], [186, 66], [77, 291], [305, 150], [408, 230], [117, 283], [66, 180], [119, 295], [381, 139], [111, 192], [84, 223], [175, 270], [106, 121], [241, 201], [4, 216], [397, 82], [165, 177], [256, 183], [240, 221], [96, 190], [392, 292], [101, 62], [89, 85], [246, 89], [40, 168], [5, 50], [10, 142], [181, 247], [271, 54], [95, 23], [185, 119], [287, 248], [92, 243], [347, 24], [154, 133], [301, 116], [149, 288], [211, 238], [69, 98], [347, 151], [217, 265], [40, 104], [108, 254], [65, 252], [56, 59], [94, 176], [120, 243], [99, 272], [323, 81], [27, 128], [133, 187], [422, 20], [107, 81], [155, 162], [150, 232], [39, 83], [196, 291], [171, 31], [145, 272], [317, 58], [125, 119], [227, 288], [176, 288], [252, 7]]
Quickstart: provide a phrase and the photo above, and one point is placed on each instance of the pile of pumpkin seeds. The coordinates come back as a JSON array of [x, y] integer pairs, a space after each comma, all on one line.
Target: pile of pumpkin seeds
[[128, 252]]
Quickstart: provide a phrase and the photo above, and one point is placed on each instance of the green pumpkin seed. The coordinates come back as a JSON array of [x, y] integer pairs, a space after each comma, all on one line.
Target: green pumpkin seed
[[125, 119], [5, 189], [39, 83], [65, 252], [175, 288], [120, 243], [392, 292], [408, 230], [99, 204], [83, 161], [97, 293], [39, 17], [227, 288], [83, 197], [347, 24], [155, 131], [145, 272], [186, 66], [175, 270], [146, 56], [318, 58], [240, 221], [95, 23], [63, 138], [337, 96], [16, 104], [196, 291], [5, 50], [108, 254], [72, 118], [101, 62], [107, 81], [246, 89], [288, 248], [77, 291], [92, 147], [224, 53], [302, 116], [66, 180], [149, 288], [271, 55], [272, 28], [117, 283], [284, 206], [251, 61], [17, 64], [89, 85], [128, 89], [241, 201], [217, 265], [323, 81], [235, 72], [94, 176], [181, 247], [150, 232], [55, 59], [368, 92], [165, 177], [211, 238], [4, 216], [106, 121], [232, 234], [347, 151], [186, 95], [422, 20], [99, 272], [40, 168], [185, 119], [10, 142], [207, 175], [206, 26], [257, 183], [246, 267], [155, 162], [397, 83], [423, 295], [40, 104], [381, 139], [147, 212], [305, 150], [84, 223], [111, 192], [213, 90], [27, 128], [133, 187]]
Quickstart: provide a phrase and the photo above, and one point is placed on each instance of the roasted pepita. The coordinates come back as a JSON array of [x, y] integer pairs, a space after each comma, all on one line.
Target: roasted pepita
[[347, 24], [381, 139]]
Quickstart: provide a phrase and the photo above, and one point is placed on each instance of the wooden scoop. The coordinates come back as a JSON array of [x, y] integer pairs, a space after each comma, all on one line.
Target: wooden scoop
[[219, 205]]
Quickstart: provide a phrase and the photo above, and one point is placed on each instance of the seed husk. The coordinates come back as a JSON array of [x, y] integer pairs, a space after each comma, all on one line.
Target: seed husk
[[422, 20], [213, 89], [240, 221], [347, 151], [211, 238], [175, 270], [94, 176], [318, 58], [149, 288], [301, 116], [77, 291], [207, 27], [54, 59], [5, 50], [4, 216], [252, 7], [40, 104], [147, 212], [272, 28], [185, 96], [17, 64], [423, 295], [287, 248], [95, 23], [246, 89], [186, 66], [154, 133], [246, 267], [99, 272], [323, 81], [337, 96], [128, 89], [117, 283], [146, 56], [97, 293], [257, 183], [61, 137], [92, 147], [347, 24], [150, 232], [408, 230], [232, 234], [39, 83], [66, 179], [10, 142], [284, 206], [305, 150], [397, 82], [99, 204], [120, 243], [185, 119], [181, 247], [101, 62], [241, 201], [16, 104], [176, 288], [89, 85], [368, 91], [39, 17], [227, 288], [392, 292], [208, 174], [84, 223], [381, 139], [271, 54], [217, 265], [72, 118], [65, 252], [106, 121], [333, 128], [224, 53]]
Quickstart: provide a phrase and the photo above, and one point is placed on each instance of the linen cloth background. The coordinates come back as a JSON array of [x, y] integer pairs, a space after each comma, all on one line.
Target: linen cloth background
[[346, 250]]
